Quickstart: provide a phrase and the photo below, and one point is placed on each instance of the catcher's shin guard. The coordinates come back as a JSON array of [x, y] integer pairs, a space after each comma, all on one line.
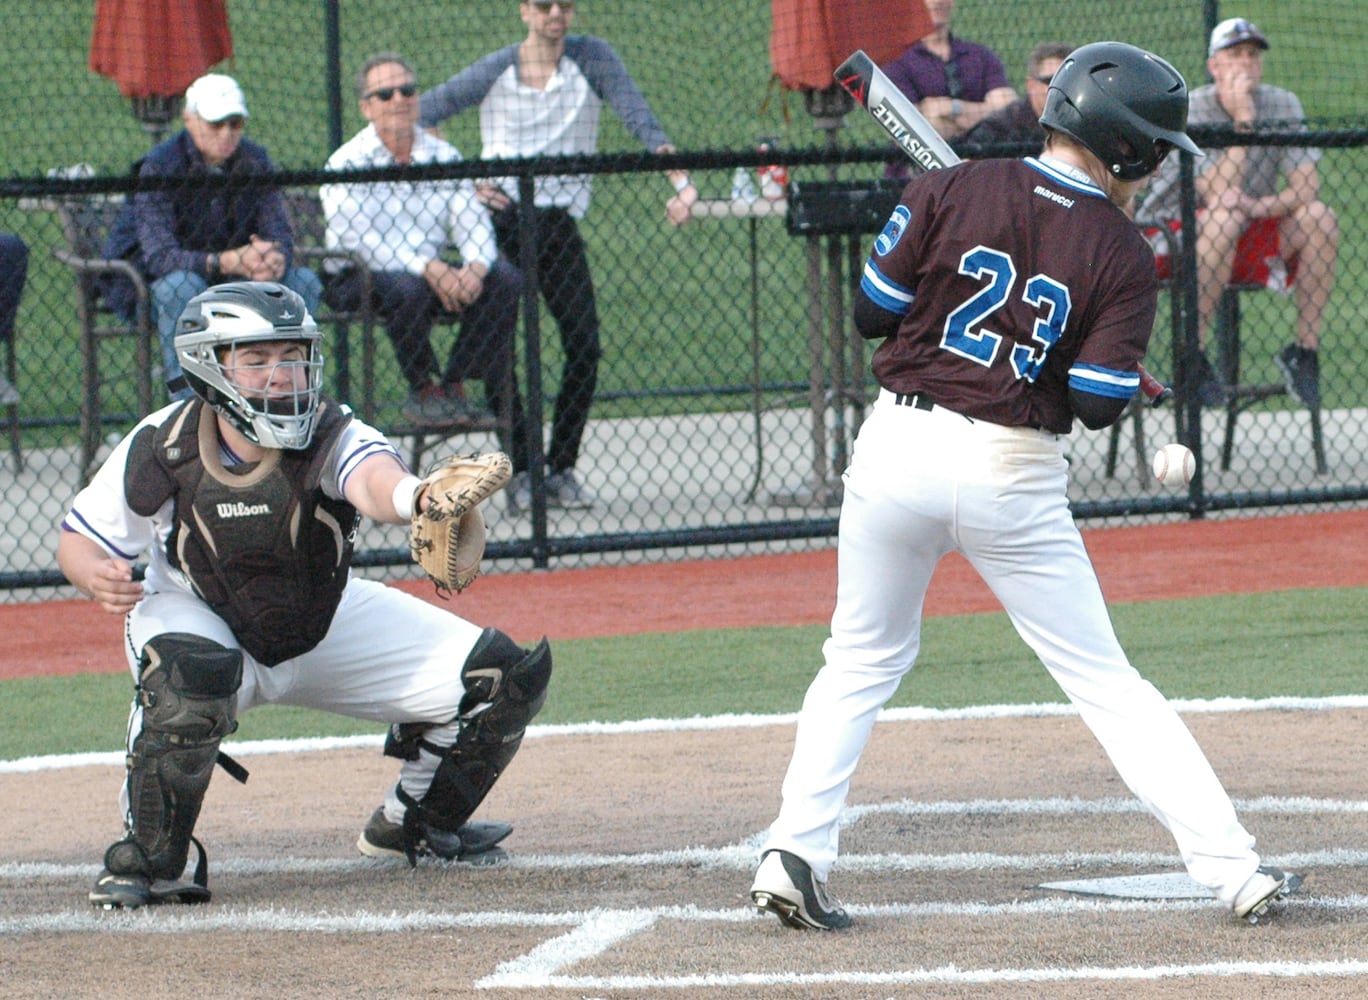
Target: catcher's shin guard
[[187, 687], [505, 688]]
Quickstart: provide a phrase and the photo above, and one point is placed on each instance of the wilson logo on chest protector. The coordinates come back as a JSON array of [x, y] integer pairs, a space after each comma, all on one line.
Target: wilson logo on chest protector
[[227, 510]]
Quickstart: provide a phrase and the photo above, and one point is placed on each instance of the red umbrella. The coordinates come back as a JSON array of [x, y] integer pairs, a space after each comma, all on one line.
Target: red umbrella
[[154, 49], [810, 38]]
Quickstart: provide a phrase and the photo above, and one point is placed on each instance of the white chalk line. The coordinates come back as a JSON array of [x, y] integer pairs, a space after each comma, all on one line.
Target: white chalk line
[[247, 748], [592, 933], [600, 923], [945, 975], [742, 856], [734, 859]]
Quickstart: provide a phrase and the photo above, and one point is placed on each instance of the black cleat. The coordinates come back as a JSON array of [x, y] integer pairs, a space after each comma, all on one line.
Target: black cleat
[[472, 844], [128, 892], [784, 885]]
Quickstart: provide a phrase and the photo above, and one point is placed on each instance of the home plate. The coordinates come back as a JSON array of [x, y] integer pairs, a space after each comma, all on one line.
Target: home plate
[[1160, 885]]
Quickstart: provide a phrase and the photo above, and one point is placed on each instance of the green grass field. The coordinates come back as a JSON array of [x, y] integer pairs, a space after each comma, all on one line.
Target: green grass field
[[1296, 643]]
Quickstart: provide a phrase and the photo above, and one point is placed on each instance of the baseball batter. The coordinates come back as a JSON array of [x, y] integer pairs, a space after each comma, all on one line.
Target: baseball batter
[[1012, 297], [245, 500]]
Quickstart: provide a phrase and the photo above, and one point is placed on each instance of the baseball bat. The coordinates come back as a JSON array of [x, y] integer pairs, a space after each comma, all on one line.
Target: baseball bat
[[923, 145]]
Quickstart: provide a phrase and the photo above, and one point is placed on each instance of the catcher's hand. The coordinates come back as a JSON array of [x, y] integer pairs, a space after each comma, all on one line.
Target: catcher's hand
[[447, 532]]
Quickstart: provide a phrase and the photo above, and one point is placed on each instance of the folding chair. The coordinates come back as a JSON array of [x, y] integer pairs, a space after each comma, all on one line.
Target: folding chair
[[85, 224], [1226, 332]]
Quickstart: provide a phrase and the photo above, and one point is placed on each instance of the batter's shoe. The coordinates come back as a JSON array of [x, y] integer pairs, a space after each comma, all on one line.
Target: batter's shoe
[[128, 892], [785, 886], [1264, 888], [472, 844]]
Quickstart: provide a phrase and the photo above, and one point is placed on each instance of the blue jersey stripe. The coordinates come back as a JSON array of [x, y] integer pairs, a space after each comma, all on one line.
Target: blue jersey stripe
[[1104, 381], [887, 295]]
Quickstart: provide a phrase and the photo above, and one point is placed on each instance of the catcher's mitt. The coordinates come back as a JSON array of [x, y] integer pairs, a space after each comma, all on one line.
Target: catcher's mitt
[[447, 538]]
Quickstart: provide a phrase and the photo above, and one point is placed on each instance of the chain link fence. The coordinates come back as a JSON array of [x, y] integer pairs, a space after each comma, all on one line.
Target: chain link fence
[[730, 385]]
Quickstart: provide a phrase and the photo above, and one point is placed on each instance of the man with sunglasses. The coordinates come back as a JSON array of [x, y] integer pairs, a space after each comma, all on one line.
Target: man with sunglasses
[[1019, 122], [955, 83], [543, 97], [187, 239], [401, 229]]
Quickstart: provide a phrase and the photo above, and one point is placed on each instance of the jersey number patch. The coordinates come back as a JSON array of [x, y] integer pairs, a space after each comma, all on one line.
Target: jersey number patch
[[966, 333]]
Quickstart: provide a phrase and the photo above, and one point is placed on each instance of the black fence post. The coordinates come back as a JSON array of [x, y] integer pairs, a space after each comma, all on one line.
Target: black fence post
[[528, 253], [1186, 353], [332, 30]]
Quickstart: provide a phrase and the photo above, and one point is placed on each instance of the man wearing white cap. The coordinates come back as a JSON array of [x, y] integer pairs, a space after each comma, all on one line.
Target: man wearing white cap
[[187, 239], [1250, 231]]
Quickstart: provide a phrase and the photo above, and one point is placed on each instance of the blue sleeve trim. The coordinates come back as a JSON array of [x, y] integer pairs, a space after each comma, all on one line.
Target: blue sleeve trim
[[74, 517], [887, 295], [1104, 381]]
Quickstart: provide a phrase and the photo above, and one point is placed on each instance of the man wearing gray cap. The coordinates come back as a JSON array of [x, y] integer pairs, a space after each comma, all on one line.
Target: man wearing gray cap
[[1250, 231], [189, 238]]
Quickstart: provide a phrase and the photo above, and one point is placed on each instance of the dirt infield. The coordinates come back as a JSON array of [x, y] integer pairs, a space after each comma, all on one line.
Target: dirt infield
[[633, 850]]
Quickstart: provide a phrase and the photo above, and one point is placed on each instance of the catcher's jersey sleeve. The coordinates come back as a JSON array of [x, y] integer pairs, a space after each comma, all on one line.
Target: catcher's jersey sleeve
[[1011, 281], [101, 510]]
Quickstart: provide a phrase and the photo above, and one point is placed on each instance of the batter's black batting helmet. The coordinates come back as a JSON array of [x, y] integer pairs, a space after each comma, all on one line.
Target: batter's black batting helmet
[[1126, 105]]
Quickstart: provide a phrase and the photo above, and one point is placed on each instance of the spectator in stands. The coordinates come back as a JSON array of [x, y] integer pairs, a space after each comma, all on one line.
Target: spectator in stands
[[14, 256], [1019, 122], [1249, 230], [543, 97], [401, 230], [187, 239], [954, 83]]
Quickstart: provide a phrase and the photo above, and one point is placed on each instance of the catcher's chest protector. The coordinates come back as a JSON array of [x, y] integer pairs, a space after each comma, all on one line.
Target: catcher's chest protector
[[264, 547]]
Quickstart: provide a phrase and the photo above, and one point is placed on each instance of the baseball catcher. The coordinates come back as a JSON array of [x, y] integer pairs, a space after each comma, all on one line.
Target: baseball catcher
[[245, 500]]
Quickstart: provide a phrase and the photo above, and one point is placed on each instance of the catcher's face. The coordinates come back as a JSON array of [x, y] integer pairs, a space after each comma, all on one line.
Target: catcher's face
[[276, 372]]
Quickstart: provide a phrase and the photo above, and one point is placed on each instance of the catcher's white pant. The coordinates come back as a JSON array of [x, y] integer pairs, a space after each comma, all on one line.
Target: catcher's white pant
[[921, 484], [388, 657]]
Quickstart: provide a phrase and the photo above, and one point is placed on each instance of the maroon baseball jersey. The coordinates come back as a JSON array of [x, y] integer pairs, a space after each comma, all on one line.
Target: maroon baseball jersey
[[1014, 280]]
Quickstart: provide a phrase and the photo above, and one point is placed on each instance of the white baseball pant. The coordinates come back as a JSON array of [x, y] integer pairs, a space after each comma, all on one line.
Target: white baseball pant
[[924, 483], [388, 657]]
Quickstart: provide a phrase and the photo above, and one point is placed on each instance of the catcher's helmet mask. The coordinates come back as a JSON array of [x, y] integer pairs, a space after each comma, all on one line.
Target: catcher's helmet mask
[[216, 323], [1125, 105]]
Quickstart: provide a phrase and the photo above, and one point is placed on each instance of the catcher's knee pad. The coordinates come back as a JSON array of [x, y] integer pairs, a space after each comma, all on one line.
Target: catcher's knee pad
[[505, 688], [187, 687]]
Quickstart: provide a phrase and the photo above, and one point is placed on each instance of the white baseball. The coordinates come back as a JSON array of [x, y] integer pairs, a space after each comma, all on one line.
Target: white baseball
[[1174, 463]]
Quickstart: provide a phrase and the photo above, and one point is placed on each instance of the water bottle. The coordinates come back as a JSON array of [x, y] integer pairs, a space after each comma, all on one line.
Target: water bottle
[[742, 188]]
